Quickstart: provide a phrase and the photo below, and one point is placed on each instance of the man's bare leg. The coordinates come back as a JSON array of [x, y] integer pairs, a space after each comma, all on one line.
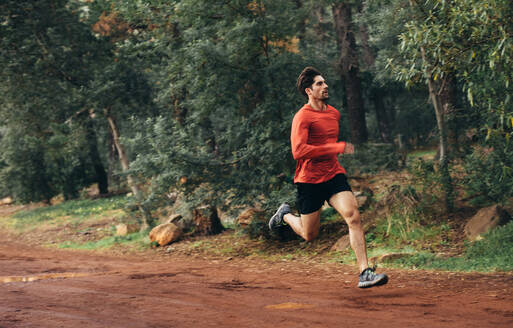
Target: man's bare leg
[[307, 225], [345, 203]]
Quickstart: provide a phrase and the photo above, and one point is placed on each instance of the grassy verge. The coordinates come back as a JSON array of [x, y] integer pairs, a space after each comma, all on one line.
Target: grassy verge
[[424, 154], [138, 240], [493, 253], [90, 224], [76, 224], [73, 213]]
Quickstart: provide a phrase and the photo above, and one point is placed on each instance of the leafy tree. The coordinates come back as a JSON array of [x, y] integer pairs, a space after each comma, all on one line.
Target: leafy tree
[[198, 95], [469, 40], [225, 91], [401, 114], [44, 50]]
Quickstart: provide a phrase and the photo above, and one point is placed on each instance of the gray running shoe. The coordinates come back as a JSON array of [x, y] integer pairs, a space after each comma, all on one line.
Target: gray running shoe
[[369, 278], [277, 219]]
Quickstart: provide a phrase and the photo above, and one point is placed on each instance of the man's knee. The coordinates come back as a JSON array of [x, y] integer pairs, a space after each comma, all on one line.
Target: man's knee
[[349, 212], [352, 217]]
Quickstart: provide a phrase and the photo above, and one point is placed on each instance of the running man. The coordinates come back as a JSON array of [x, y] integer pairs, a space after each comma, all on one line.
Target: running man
[[319, 176]]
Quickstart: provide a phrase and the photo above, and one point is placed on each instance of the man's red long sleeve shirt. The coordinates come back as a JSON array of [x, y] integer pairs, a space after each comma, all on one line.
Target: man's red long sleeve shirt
[[314, 137]]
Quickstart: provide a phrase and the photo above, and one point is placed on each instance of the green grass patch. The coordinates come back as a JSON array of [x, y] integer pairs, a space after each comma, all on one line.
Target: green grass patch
[[71, 212], [399, 230], [138, 240], [425, 154], [348, 257], [404, 230], [493, 253]]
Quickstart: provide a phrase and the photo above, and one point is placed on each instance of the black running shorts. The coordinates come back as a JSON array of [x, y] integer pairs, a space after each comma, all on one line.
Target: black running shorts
[[311, 196]]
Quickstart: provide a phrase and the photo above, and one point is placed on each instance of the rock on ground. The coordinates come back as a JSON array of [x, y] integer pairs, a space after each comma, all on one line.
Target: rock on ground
[[486, 219], [165, 233], [174, 218], [123, 229], [6, 201], [341, 244]]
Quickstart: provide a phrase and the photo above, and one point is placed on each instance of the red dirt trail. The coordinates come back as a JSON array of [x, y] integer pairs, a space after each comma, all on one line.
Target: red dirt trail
[[84, 289]]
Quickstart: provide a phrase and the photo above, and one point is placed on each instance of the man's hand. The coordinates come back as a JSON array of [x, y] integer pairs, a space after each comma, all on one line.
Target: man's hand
[[349, 148]]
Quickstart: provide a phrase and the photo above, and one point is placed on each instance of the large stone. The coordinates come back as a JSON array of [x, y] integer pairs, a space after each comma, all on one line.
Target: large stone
[[6, 201], [123, 229], [342, 244], [206, 221], [175, 218], [485, 220], [179, 207], [165, 233], [249, 215]]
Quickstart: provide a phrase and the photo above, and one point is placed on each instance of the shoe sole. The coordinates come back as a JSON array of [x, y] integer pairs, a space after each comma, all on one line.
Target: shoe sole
[[273, 217], [373, 283], [271, 222]]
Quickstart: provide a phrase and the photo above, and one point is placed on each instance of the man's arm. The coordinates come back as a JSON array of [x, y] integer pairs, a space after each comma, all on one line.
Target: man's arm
[[302, 150]]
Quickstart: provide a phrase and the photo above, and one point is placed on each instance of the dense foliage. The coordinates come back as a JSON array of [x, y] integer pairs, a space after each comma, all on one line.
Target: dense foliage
[[45, 60], [197, 96]]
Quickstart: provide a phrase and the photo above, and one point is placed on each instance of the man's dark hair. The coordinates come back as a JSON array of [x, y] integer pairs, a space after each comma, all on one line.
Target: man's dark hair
[[306, 79]]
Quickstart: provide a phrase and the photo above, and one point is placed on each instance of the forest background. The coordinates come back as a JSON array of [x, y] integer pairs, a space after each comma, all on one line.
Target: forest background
[[193, 99]]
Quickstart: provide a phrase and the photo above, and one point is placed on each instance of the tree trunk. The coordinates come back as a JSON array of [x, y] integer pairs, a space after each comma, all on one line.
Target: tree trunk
[[113, 158], [125, 166], [179, 110], [382, 116], [448, 101], [442, 129], [348, 65], [437, 105], [367, 52], [377, 92], [100, 174]]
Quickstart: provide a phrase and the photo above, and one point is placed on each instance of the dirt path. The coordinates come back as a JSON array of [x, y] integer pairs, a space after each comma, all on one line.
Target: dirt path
[[78, 289]]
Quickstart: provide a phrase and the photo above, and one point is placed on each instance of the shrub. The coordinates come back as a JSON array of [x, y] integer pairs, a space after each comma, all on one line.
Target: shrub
[[405, 222], [435, 185], [489, 171]]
